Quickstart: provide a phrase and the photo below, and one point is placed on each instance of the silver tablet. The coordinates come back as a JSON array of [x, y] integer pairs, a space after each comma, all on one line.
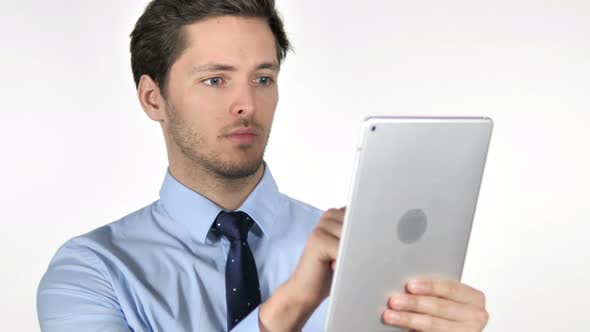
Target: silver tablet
[[410, 210]]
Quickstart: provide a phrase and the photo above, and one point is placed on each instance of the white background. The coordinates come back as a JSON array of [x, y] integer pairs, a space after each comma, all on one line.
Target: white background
[[78, 152]]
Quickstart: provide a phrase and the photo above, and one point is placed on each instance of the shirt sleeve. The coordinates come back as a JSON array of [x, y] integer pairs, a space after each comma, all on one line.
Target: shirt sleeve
[[249, 323], [76, 295]]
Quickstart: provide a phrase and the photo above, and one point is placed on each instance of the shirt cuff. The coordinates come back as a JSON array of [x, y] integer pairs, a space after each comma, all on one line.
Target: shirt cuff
[[249, 323]]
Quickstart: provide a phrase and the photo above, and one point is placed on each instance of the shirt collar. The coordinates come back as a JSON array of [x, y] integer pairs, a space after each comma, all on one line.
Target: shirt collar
[[197, 213]]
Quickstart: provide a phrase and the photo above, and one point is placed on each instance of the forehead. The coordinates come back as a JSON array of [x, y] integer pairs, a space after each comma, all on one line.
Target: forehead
[[229, 39]]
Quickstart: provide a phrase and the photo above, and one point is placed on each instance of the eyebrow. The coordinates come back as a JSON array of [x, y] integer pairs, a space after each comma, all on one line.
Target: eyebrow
[[211, 67]]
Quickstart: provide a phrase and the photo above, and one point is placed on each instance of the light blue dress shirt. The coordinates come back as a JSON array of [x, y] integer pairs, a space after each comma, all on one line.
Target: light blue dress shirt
[[161, 269]]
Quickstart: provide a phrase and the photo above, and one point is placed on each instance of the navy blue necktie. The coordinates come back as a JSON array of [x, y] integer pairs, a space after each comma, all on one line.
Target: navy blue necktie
[[242, 290]]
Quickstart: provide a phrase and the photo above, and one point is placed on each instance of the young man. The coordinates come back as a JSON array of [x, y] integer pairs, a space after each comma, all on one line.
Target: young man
[[222, 248]]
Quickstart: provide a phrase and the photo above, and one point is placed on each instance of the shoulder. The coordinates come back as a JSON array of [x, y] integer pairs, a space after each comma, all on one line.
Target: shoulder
[[94, 248], [126, 229]]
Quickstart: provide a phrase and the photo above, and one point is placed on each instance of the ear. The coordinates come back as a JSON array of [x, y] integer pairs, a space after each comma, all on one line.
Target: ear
[[151, 99]]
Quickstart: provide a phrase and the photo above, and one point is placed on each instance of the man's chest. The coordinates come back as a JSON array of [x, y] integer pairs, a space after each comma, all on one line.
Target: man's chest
[[184, 290]]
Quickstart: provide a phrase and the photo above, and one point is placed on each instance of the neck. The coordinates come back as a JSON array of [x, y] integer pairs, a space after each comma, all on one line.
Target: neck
[[229, 194]]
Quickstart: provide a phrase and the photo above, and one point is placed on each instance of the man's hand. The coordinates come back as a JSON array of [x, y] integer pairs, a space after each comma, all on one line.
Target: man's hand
[[312, 277], [290, 306], [435, 305]]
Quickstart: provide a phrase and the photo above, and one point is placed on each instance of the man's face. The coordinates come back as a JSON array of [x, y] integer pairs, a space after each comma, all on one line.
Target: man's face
[[222, 94]]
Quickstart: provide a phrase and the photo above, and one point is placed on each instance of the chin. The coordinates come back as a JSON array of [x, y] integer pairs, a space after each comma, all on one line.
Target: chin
[[235, 168], [239, 171]]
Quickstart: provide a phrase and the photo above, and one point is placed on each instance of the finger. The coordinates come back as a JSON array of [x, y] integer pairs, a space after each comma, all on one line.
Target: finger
[[326, 243], [447, 289], [419, 322], [331, 226], [437, 307], [335, 214]]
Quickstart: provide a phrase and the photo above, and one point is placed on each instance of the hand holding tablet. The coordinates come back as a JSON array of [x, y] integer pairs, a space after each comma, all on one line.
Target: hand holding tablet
[[437, 305]]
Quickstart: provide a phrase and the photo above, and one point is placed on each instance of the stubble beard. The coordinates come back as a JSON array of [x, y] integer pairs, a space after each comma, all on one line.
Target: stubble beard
[[191, 144]]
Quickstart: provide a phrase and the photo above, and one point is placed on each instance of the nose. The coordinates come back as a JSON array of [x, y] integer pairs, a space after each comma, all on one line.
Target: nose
[[244, 102]]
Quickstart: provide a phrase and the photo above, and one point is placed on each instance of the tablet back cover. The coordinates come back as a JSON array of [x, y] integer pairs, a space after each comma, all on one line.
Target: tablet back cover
[[411, 206]]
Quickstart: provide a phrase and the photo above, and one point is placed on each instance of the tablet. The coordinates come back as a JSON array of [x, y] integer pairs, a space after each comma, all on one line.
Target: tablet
[[410, 210]]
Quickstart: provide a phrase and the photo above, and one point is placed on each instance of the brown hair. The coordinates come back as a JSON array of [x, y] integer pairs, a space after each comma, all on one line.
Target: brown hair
[[157, 39]]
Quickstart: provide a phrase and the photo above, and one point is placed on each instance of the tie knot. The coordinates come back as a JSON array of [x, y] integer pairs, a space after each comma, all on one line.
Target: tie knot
[[234, 225]]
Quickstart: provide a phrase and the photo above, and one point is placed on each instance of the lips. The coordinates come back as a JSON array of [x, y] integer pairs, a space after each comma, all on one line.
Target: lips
[[243, 136], [243, 131]]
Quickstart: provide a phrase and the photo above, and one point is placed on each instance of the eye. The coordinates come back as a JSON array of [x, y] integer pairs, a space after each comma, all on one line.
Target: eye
[[213, 81], [264, 80]]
